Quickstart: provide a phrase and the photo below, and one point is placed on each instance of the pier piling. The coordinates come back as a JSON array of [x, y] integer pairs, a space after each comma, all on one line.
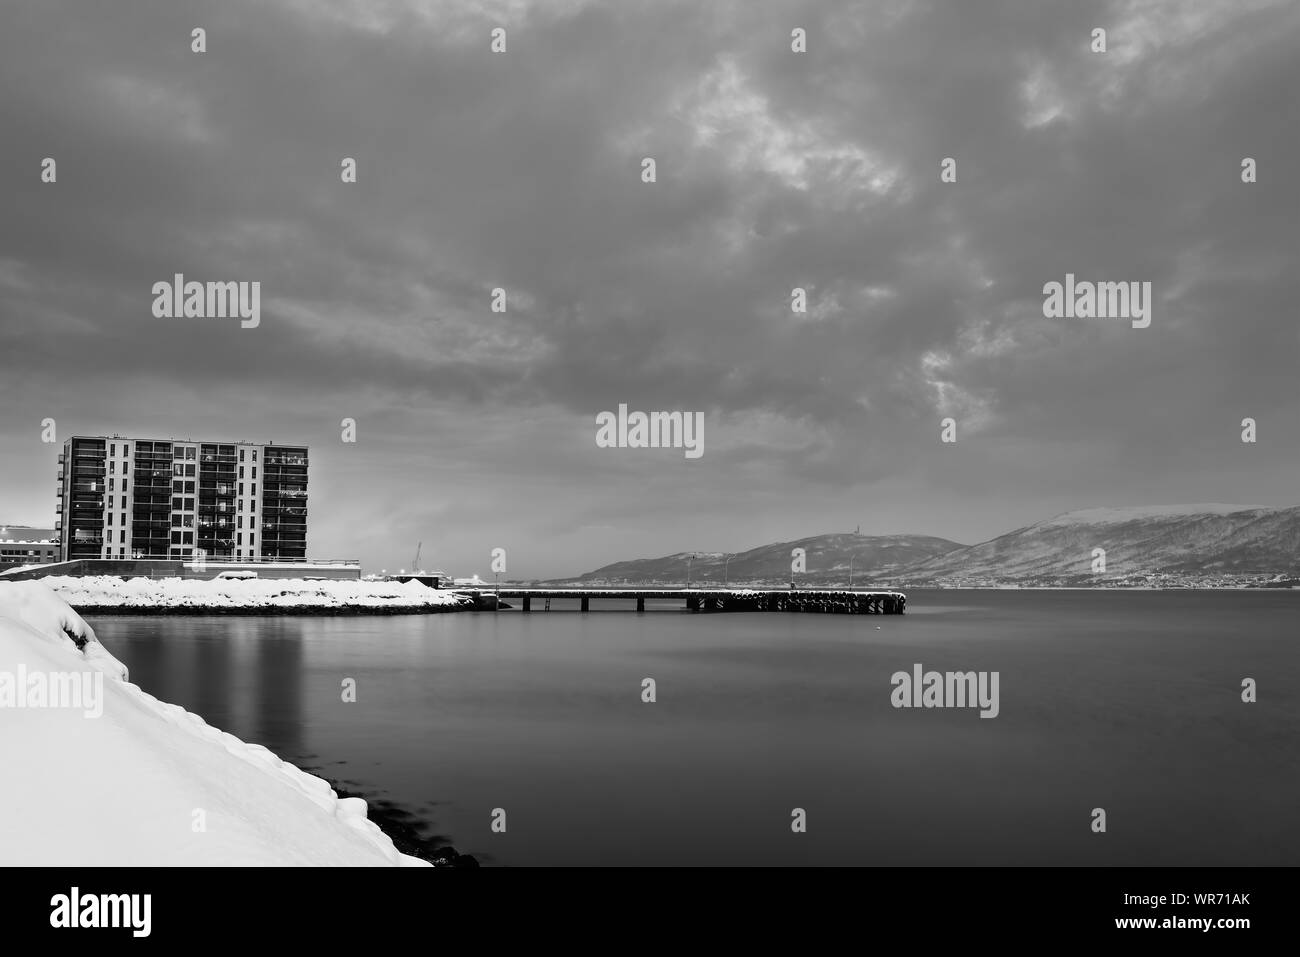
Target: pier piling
[[837, 601]]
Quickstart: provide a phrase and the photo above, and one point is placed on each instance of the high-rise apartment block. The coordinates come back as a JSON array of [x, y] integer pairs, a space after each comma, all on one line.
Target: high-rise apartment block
[[165, 498]]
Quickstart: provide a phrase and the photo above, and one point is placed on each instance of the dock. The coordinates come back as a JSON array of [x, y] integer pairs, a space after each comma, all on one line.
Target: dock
[[843, 601]]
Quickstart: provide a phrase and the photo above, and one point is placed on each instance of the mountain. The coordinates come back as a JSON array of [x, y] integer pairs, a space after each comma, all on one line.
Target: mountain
[[1179, 541], [828, 559]]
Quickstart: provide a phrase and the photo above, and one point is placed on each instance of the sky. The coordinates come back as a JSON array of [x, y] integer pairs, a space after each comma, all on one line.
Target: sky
[[775, 169]]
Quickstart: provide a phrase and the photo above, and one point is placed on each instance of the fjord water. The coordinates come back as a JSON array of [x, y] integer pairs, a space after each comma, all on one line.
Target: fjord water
[[1127, 701]]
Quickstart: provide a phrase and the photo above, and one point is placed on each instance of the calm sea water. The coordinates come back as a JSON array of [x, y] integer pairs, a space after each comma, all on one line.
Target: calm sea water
[[1129, 701]]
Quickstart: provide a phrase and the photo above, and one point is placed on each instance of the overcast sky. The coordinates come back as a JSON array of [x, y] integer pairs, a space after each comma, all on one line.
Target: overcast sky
[[775, 169]]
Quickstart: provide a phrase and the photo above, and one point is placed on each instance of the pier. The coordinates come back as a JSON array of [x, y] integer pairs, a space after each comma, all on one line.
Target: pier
[[843, 601]]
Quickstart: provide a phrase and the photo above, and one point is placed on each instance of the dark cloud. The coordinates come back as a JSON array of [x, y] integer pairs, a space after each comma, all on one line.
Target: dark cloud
[[776, 170]]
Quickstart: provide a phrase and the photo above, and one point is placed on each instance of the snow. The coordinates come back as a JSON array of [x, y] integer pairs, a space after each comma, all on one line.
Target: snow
[[131, 786], [1138, 513], [106, 591]]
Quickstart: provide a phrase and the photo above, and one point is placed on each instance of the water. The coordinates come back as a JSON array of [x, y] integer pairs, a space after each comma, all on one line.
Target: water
[[1129, 701]]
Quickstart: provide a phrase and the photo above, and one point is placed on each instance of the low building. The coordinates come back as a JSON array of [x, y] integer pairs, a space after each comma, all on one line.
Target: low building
[[24, 545]]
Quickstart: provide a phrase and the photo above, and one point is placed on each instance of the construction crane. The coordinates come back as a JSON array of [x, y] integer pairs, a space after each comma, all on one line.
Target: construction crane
[[415, 565]]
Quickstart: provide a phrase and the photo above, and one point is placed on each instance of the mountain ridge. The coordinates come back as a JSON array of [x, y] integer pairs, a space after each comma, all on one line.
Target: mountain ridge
[[829, 557], [1150, 544]]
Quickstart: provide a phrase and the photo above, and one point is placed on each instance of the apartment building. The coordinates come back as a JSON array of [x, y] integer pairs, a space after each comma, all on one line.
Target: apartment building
[[124, 497]]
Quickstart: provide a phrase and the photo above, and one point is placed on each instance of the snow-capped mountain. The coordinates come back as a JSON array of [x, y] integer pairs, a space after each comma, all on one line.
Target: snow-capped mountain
[[1190, 540]]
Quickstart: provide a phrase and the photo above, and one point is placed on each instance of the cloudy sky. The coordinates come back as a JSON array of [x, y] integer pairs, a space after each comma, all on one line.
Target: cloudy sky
[[775, 169]]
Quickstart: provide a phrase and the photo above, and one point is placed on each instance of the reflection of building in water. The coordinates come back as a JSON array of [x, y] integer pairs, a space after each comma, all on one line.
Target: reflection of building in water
[[279, 671]]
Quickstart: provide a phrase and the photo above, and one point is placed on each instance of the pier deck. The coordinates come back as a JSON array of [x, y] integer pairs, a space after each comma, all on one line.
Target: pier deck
[[844, 601]]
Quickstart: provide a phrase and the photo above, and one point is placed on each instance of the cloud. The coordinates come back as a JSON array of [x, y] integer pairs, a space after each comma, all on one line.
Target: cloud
[[776, 170]]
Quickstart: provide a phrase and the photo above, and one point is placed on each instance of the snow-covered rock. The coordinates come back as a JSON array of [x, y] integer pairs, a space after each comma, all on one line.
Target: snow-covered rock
[[147, 782]]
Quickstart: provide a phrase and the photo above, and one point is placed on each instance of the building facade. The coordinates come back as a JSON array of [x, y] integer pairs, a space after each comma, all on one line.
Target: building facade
[[165, 498], [23, 545]]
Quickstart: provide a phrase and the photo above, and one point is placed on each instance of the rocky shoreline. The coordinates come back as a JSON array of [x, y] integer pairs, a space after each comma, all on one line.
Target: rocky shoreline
[[395, 822]]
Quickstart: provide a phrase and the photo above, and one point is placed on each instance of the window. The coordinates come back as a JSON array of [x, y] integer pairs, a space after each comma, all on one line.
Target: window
[[178, 504], [241, 488], [254, 471], [189, 505], [187, 521], [254, 455], [125, 467], [178, 469], [176, 538], [241, 471], [110, 485], [189, 470], [254, 490], [110, 518], [250, 539], [189, 488], [126, 450], [178, 487], [239, 538], [112, 449], [191, 452], [112, 465], [241, 454], [121, 537], [123, 485], [187, 538], [123, 505]]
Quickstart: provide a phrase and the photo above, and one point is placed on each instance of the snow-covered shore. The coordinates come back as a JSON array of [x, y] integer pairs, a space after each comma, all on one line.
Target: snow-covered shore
[[106, 593], [145, 783]]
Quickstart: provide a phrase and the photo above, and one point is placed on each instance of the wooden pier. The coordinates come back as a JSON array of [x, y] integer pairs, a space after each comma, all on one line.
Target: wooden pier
[[821, 600]]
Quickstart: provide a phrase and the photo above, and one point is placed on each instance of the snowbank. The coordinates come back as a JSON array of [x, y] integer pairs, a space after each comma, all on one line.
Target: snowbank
[[148, 783], [103, 591]]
